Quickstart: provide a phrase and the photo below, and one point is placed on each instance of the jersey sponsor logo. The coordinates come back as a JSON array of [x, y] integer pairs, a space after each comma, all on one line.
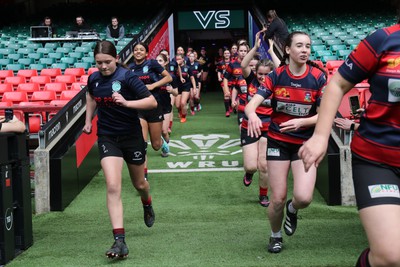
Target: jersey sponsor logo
[[221, 18], [296, 85], [393, 62], [293, 109], [394, 90], [282, 92], [145, 69], [273, 152], [350, 65], [116, 86], [384, 190]]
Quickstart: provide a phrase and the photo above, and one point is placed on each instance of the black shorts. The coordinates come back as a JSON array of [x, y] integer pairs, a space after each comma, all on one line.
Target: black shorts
[[240, 116], [278, 150], [184, 88], [375, 184], [152, 115], [245, 139], [132, 148]]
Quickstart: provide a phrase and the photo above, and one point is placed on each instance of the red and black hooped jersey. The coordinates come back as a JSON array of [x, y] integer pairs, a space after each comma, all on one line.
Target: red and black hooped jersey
[[293, 97], [264, 110], [377, 58]]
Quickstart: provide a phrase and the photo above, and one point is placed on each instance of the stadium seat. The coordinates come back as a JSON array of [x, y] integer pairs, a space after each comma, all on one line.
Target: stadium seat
[[47, 61], [25, 51], [77, 72], [5, 61], [84, 49], [77, 55], [40, 80], [342, 54], [84, 78], [67, 79], [70, 45], [327, 58], [91, 70], [61, 66], [64, 50], [34, 46], [15, 67], [15, 80], [28, 73], [84, 65], [37, 66], [15, 57], [5, 87], [69, 61], [52, 46], [77, 86], [332, 64], [56, 87], [35, 118], [5, 104], [29, 88], [88, 60], [5, 73], [15, 97], [68, 94], [59, 102], [35, 56], [45, 96], [45, 50], [56, 55], [52, 72]]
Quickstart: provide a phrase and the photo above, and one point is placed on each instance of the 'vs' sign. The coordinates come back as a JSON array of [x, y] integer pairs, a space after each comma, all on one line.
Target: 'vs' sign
[[211, 19]]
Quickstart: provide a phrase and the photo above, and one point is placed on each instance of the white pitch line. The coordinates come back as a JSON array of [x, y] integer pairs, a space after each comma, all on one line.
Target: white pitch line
[[196, 170]]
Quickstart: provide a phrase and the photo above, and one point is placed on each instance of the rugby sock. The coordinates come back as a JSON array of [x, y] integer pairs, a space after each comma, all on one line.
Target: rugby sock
[[291, 208], [249, 176], [119, 233], [363, 259], [146, 202], [170, 124], [277, 234], [226, 103], [263, 191], [145, 173]]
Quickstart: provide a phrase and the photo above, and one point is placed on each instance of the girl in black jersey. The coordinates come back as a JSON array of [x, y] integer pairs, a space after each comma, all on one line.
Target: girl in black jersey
[[117, 94], [149, 71], [167, 90]]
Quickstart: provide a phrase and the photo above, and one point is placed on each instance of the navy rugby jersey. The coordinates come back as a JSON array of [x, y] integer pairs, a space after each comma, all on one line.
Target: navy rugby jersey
[[293, 97], [114, 119], [149, 72], [195, 68], [165, 96], [264, 110], [377, 58]]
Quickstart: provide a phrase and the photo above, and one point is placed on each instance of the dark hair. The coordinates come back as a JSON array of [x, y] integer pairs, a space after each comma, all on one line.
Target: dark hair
[[146, 47], [271, 14], [288, 43], [114, 17], [164, 57], [105, 47]]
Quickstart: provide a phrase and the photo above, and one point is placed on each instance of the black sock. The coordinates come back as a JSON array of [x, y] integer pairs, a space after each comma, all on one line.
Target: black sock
[[226, 102], [249, 176], [119, 233], [363, 259]]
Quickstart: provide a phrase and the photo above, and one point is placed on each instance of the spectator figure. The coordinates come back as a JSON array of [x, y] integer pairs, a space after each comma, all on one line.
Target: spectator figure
[[115, 30], [276, 29], [375, 144], [81, 25], [49, 23], [11, 125]]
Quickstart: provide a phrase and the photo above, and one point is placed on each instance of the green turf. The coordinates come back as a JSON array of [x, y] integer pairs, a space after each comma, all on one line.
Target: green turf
[[202, 218]]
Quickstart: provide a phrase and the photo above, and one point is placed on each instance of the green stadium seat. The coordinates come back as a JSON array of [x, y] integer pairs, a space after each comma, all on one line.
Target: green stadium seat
[[64, 50], [342, 54], [333, 42], [37, 66], [26, 61], [77, 55], [25, 51], [70, 45], [352, 41], [5, 61], [84, 65], [88, 60], [53, 46], [83, 49], [335, 48], [321, 53], [44, 50], [61, 66], [36, 56], [15, 67], [315, 48], [15, 46], [70, 61], [316, 42], [56, 55], [47, 61], [7, 51], [15, 57], [327, 58], [34, 46]]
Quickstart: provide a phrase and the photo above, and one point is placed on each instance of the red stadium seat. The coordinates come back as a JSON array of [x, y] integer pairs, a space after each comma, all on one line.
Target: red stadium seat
[[5, 104], [28, 87], [365, 95], [77, 86], [332, 64], [59, 102], [15, 80], [41, 80], [5, 87], [77, 72], [68, 95], [84, 79], [15, 97], [319, 62], [67, 79], [52, 72], [28, 73], [91, 70], [56, 87], [46, 96], [5, 73]]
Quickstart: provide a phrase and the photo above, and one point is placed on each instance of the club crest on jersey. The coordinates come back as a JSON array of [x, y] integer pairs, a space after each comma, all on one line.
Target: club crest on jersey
[[145, 69], [116, 86], [185, 69], [307, 97]]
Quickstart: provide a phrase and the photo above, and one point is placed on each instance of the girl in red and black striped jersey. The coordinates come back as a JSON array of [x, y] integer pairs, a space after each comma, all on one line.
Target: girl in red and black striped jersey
[[376, 143], [295, 90], [239, 87], [221, 68], [254, 156]]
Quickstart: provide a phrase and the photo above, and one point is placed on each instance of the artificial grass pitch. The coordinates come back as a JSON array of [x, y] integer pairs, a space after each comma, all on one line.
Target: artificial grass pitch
[[202, 219]]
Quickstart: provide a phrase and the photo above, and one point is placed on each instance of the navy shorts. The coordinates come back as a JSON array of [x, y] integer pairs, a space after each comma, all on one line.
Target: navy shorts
[[245, 139], [278, 150], [374, 183], [152, 115], [132, 148]]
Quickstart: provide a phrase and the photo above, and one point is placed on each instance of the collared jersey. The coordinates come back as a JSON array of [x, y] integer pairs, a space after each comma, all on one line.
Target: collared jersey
[[293, 97], [377, 58], [114, 119], [149, 72]]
